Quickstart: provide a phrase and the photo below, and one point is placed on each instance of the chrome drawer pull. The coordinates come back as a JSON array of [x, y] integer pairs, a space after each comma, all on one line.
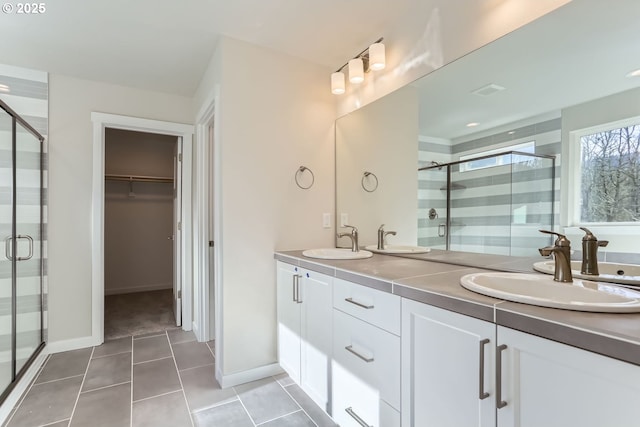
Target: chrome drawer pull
[[499, 402], [350, 349], [355, 416], [359, 304], [482, 394]]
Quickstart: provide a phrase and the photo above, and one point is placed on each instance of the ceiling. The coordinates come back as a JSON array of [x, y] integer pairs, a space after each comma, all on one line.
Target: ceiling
[[579, 52], [166, 45]]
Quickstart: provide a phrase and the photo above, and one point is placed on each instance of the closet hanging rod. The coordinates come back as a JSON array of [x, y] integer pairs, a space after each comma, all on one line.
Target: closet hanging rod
[[137, 178]]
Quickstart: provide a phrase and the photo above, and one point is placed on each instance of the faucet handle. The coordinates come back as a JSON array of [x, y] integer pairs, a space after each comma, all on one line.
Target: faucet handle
[[561, 240], [353, 229], [381, 228], [588, 234]]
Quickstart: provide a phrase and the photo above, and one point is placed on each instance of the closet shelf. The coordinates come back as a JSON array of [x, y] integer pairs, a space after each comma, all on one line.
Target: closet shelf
[[137, 178]]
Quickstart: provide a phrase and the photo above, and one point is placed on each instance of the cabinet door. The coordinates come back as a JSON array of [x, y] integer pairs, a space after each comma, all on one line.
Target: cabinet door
[[447, 368], [288, 320], [545, 383], [315, 297]]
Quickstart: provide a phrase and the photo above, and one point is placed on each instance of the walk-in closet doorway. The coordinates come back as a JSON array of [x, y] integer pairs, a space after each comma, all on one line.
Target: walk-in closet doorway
[[141, 212], [180, 239]]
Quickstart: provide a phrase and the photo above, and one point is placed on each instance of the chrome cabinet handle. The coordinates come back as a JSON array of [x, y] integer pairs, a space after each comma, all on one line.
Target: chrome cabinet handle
[[355, 416], [359, 304], [499, 402], [296, 289], [350, 349], [293, 286], [481, 393]]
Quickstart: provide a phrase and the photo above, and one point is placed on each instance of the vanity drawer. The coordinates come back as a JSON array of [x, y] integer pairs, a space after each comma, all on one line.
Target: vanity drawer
[[371, 305], [365, 358]]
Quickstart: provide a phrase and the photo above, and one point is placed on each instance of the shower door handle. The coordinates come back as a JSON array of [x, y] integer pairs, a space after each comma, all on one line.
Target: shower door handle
[[30, 240], [442, 230], [7, 248]]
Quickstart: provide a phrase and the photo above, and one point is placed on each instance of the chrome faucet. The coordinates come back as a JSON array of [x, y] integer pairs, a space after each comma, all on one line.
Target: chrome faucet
[[353, 235], [561, 251], [590, 246], [382, 234]]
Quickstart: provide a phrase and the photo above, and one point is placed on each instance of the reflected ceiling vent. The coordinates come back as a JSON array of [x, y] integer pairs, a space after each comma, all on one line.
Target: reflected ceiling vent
[[488, 90]]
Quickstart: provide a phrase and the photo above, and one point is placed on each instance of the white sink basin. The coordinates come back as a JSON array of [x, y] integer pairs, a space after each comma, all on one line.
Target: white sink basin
[[398, 249], [336, 253], [625, 274], [535, 289]]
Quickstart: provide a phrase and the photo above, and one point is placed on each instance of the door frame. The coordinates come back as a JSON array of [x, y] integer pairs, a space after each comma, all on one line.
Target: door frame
[[207, 324], [101, 121]]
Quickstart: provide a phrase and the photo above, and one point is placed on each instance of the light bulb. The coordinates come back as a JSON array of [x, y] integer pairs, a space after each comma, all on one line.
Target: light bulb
[[337, 83], [356, 71], [376, 56]]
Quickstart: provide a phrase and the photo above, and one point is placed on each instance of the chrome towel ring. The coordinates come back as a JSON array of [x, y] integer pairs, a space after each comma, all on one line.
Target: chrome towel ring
[[299, 172], [369, 188]]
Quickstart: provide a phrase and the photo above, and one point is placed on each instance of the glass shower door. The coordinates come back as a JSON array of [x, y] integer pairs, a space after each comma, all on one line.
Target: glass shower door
[[28, 270], [6, 232], [432, 207]]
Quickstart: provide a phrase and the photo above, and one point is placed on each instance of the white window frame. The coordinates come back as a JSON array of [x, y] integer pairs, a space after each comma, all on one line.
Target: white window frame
[[574, 175], [522, 147]]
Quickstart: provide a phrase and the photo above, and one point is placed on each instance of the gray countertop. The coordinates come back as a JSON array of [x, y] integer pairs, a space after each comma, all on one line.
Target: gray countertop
[[433, 282]]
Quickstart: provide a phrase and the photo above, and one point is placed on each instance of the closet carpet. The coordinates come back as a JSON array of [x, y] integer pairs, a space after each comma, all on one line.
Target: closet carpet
[[138, 313]]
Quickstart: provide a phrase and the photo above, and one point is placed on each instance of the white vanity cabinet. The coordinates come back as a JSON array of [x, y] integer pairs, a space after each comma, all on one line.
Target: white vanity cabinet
[[462, 371], [366, 356], [545, 383], [304, 329], [447, 368]]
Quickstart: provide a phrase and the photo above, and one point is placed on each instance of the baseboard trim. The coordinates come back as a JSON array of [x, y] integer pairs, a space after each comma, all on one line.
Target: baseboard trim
[[16, 394], [248, 375], [196, 331], [134, 289], [67, 345]]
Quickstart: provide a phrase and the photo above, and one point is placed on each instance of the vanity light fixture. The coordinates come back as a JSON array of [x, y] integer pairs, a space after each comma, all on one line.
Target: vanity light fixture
[[634, 73], [372, 58], [4, 88]]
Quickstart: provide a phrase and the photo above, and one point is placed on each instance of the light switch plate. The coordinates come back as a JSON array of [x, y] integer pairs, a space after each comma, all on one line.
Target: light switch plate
[[326, 220], [344, 219]]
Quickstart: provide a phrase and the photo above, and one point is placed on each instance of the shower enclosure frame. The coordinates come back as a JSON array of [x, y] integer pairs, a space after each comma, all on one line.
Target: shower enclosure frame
[[16, 374], [449, 165]]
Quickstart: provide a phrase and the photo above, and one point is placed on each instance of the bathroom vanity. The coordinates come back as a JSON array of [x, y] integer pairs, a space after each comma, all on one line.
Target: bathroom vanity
[[391, 341]]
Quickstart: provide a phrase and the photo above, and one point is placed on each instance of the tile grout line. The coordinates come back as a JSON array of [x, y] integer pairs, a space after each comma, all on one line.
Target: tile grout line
[[109, 355], [217, 405], [297, 403], [196, 367], [55, 422], [58, 379], [184, 395], [131, 394], [104, 387], [26, 392], [149, 361], [166, 393], [282, 416], [81, 385], [244, 407]]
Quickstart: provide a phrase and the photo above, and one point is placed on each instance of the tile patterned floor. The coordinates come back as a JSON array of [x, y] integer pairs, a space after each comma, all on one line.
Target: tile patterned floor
[[156, 380]]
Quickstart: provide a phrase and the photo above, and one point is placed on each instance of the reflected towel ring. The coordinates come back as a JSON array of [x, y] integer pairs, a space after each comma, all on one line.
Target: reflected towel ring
[[301, 170], [367, 175]]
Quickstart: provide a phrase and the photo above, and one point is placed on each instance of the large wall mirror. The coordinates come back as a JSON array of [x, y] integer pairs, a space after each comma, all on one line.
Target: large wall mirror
[[540, 92]]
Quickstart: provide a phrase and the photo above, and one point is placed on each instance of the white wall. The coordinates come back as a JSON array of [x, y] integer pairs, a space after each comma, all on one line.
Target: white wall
[[275, 114], [435, 34], [71, 102], [137, 254], [381, 138]]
